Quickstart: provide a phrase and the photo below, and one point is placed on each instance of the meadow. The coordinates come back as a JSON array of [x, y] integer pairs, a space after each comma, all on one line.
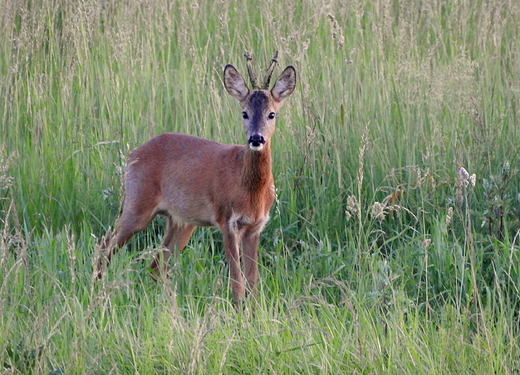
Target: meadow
[[393, 243]]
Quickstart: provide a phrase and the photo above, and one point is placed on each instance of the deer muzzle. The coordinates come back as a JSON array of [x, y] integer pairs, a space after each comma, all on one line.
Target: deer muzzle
[[256, 142]]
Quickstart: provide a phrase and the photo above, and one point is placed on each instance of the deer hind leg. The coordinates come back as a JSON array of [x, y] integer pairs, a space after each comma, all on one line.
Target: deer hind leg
[[133, 220], [175, 240]]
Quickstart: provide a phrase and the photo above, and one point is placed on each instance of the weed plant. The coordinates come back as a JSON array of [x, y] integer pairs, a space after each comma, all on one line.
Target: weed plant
[[393, 244]]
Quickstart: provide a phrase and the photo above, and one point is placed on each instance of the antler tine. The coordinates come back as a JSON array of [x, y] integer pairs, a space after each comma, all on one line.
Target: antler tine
[[269, 71], [250, 70]]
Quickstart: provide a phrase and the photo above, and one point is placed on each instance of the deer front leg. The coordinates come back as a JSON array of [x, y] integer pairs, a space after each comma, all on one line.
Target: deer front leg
[[232, 251], [250, 259]]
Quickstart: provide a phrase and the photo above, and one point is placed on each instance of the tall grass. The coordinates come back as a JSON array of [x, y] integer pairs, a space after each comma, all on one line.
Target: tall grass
[[381, 256]]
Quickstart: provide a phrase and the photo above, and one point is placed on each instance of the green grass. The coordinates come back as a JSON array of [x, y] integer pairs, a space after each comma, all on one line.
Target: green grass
[[393, 97]]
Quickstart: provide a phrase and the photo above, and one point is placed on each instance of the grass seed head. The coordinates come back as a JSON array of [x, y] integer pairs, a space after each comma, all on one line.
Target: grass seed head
[[353, 205], [378, 211]]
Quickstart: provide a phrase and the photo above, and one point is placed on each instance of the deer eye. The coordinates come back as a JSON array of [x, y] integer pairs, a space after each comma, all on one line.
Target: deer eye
[[245, 116], [271, 115]]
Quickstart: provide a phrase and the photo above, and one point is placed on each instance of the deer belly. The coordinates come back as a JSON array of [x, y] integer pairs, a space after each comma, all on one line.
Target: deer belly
[[196, 212]]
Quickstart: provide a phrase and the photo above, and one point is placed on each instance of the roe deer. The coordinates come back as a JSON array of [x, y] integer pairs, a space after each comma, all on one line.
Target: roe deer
[[196, 182]]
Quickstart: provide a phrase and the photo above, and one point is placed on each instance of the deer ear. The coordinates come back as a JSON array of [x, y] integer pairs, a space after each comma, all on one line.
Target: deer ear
[[235, 84], [285, 84]]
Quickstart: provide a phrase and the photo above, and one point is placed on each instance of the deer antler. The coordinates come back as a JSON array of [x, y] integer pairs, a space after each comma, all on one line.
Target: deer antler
[[269, 71], [250, 70]]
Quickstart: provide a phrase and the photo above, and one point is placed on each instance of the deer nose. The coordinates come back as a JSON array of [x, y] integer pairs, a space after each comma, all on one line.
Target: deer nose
[[256, 141]]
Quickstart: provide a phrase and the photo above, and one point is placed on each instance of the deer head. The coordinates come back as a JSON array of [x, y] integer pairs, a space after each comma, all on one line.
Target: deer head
[[259, 105]]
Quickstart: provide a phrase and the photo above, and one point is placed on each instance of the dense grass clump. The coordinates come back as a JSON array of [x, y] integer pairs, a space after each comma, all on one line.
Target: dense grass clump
[[393, 244]]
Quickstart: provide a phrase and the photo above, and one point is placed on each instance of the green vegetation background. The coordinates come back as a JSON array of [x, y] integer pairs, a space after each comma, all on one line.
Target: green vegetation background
[[382, 255]]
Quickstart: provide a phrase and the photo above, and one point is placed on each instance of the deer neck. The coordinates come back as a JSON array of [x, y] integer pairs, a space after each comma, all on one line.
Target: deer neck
[[256, 172]]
